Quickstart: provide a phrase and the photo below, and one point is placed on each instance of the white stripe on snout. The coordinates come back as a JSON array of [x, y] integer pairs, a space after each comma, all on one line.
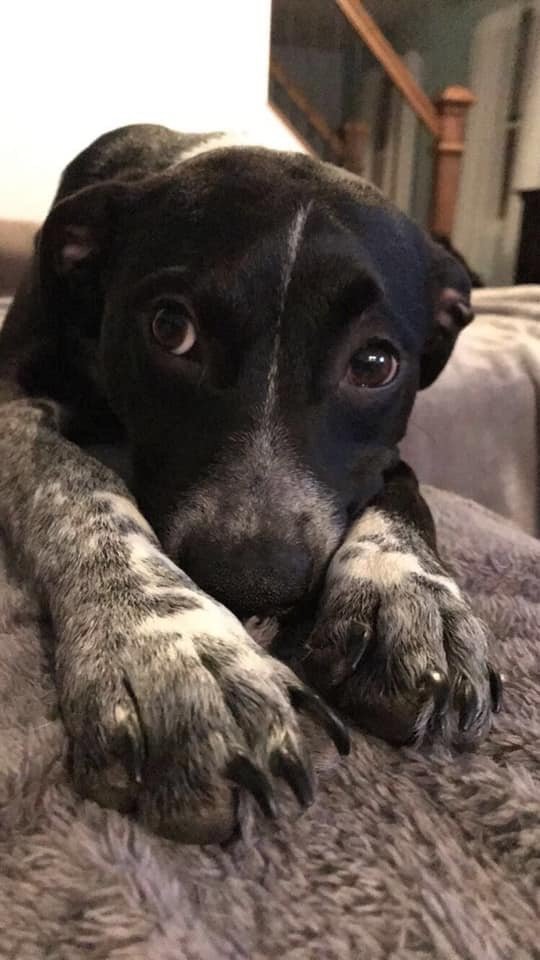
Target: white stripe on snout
[[293, 246], [294, 239]]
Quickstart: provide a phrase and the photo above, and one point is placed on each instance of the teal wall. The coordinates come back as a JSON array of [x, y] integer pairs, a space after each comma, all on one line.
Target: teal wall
[[442, 32]]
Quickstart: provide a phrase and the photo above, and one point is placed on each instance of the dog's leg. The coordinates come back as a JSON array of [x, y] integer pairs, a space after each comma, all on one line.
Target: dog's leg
[[395, 637], [162, 691]]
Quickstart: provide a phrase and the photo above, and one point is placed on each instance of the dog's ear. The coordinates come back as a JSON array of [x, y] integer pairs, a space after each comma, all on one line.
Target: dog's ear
[[77, 234], [449, 292]]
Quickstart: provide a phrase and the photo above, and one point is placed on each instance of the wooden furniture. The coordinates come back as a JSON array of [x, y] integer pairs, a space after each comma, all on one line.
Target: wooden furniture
[[452, 106], [444, 119]]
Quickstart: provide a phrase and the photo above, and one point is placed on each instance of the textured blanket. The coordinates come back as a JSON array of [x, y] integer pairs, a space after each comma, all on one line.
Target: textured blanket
[[476, 431], [402, 856]]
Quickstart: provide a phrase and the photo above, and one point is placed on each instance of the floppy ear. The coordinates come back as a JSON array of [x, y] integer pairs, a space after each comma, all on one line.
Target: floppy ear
[[75, 246], [450, 290], [79, 229]]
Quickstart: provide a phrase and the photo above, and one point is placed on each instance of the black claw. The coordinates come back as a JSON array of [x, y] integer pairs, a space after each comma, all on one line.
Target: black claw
[[468, 704], [134, 747], [496, 687], [286, 764], [133, 757], [434, 683], [358, 643], [244, 773], [302, 698], [358, 637]]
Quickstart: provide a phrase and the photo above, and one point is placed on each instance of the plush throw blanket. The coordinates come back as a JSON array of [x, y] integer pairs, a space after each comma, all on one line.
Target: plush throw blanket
[[403, 856], [476, 431]]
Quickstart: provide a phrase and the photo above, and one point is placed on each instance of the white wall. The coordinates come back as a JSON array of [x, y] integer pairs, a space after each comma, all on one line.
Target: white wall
[[527, 169], [71, 70], [488, 240]]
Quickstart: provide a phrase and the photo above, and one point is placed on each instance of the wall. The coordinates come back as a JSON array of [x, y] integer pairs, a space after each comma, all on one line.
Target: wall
[[74, 70], [487, 234], [441, 31], [319, 74]]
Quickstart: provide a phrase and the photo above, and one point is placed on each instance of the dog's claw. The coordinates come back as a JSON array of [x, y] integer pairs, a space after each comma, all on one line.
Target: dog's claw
[[496, 687], [285, 763], [244, 773], [131, 736], [359, 637], [467, 702], [133, 757], [434, 684], [302, 698]]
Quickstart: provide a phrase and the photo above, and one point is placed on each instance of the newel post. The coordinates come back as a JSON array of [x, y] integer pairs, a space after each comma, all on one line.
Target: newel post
[[354, 137], [452, 106]]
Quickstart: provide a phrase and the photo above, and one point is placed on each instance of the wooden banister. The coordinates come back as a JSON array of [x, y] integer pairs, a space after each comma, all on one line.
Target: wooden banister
[[290, 126], [369, 33], [452, 106], [444, 119], [355, 135], [312, 115]]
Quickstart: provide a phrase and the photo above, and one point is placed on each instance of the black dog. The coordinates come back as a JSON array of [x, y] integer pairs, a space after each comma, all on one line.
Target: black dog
[[252, 328]]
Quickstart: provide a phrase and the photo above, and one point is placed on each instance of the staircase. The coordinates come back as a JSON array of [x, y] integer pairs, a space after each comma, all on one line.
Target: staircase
[[340, 86], [315, 56]]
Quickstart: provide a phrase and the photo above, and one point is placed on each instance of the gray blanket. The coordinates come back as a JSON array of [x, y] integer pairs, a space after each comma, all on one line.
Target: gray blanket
[[476, 431], [402, 856]]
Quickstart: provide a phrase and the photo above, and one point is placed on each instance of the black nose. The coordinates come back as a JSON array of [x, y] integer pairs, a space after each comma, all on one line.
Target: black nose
[[252, 578]]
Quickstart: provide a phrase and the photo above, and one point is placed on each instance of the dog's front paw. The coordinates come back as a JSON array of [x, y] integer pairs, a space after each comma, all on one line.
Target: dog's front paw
[[397, 648], [185, 710]]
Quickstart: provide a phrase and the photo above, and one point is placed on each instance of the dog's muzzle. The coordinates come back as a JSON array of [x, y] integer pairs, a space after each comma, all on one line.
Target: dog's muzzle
[[261, 577]]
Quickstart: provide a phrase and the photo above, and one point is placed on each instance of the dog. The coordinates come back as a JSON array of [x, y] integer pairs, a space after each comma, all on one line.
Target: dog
[[444, 241], [248, 330]]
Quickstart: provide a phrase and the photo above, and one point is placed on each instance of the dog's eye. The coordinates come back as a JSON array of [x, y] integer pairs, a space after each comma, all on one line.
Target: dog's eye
[[374, 365], [173, 327]]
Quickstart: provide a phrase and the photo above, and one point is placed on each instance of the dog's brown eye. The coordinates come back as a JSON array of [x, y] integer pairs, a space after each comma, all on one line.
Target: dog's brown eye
[[173, 328], [374, 365]]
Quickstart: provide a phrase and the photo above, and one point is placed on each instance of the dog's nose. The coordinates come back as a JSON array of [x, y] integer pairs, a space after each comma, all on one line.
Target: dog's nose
[[253, 578]]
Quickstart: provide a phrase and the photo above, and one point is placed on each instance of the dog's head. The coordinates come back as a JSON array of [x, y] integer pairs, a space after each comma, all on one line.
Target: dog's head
[[261, 324]]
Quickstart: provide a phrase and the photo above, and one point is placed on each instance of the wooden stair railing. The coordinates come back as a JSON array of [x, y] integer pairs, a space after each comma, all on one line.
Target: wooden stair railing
[[445, 119], [346, 148], [391, 62], [452, 107], [313, 117]]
